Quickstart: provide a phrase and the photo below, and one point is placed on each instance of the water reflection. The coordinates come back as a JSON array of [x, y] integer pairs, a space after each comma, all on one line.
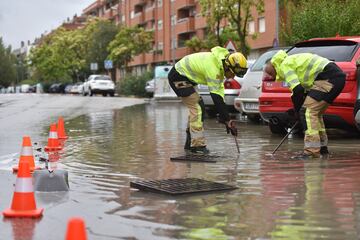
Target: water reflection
[[277, 198]]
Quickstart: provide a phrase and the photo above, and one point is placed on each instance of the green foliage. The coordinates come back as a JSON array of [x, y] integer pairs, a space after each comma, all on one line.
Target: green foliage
[[237, 12], [134, 85], [129, 42], [97, 35], [7, 65], [321, 18]]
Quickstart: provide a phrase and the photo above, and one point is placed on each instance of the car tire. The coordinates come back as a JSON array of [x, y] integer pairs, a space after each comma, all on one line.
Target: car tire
[[104, 94], [277, 128], [111, 94], [91, 93]]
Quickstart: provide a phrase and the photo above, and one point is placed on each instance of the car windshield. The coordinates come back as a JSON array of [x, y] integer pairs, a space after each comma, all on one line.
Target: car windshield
[[260, 62], [338, 51], [102, 78]]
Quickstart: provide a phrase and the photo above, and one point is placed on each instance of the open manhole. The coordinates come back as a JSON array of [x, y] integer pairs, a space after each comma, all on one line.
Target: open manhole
[[180, 186], [196, 158]]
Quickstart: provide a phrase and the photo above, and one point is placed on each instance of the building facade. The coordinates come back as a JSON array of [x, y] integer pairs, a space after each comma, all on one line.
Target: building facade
[[174, 22]]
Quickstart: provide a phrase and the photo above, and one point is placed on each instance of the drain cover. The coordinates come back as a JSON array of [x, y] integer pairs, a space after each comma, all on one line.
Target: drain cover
[[196, 158], [180, 186]]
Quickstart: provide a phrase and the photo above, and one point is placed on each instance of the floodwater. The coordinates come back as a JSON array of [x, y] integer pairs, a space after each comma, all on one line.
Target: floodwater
[[277, 198]]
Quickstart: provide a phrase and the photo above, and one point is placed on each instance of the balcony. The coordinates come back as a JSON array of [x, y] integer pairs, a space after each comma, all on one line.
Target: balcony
[[181, 52], [185, 25], [200, 22], [149, 58], [137, 19], [149, 14], [179, 4]]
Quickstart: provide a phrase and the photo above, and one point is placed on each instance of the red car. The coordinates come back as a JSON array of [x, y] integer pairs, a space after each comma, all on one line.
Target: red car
[[275, 100]]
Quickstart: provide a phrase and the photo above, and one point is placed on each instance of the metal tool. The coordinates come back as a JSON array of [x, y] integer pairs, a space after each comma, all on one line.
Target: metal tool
[[237, 144], [292, 128]]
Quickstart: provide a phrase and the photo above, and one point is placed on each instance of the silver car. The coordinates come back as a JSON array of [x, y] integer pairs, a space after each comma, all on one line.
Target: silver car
[[248, 100]]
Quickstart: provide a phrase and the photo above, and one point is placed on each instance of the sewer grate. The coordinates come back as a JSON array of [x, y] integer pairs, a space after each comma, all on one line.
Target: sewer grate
[[196, 158], [180, 186]]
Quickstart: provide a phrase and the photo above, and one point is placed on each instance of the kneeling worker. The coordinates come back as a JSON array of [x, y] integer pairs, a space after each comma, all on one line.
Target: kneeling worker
[[207, 68], [315, 82]]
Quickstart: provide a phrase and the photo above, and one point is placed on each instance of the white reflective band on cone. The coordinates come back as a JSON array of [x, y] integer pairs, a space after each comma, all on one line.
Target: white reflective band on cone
[[24, 185], [26, 151], [53, 135]]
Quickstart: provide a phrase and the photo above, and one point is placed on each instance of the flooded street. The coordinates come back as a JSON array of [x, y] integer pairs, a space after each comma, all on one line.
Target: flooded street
[[277, 198]]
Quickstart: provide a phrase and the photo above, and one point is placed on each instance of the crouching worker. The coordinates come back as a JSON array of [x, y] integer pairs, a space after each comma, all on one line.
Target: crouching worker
[[315, 82], [207, 68]]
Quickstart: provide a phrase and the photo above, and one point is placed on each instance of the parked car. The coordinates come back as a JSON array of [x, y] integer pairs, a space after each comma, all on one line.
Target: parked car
[[150, 87], [77, 88], [68, 88], [99, 84], [232, 88], [248, 100], [345, 52], [57, 88]]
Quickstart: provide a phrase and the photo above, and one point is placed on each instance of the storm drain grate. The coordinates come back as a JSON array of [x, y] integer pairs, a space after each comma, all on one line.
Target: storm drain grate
[[196, 158], [180, 186]]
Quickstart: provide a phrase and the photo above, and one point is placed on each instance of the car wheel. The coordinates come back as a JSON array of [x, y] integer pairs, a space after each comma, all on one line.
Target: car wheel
[[277, 128], [104, 94], [111, 94], [91, 93]]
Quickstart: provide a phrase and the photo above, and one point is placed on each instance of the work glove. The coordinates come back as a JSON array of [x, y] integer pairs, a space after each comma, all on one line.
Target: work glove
[[293, 114], [231, 128]]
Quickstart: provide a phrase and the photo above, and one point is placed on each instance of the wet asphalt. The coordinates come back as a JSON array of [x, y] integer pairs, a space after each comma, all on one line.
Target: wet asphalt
[[113, 141]]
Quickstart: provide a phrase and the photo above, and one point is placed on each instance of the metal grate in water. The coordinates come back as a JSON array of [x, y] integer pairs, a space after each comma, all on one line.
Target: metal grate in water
[[180, 186], [196, 158]]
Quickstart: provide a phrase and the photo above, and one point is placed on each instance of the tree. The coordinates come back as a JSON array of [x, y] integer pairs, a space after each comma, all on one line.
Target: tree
[[129, 42], [7, 65], [97, 35], [238, 13], [321, 18]]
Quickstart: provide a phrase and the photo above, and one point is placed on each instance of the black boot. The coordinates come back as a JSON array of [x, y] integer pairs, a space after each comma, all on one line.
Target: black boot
[[324, 150], [188, 140], [202, 150]]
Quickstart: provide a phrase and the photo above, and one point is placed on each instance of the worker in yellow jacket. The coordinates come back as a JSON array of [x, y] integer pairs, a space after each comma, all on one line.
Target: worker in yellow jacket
[[315, 82], [211, 69]]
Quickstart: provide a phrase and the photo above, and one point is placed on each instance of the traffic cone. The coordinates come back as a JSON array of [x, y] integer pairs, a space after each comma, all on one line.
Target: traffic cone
[[61, 129], [53, 141], [23, 202], [26, 155], [76, 229]]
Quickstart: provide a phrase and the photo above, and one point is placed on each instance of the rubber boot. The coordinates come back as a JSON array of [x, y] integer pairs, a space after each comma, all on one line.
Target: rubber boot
[[188, 140], [324, 150]]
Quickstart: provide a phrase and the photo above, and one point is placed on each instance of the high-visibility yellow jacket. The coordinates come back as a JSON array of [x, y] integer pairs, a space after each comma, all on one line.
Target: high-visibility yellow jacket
[[296, 69], [205, 68]]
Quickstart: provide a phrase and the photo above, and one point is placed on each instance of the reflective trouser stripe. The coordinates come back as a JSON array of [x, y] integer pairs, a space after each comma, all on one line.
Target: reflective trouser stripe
[[26, 151], [24, 185]]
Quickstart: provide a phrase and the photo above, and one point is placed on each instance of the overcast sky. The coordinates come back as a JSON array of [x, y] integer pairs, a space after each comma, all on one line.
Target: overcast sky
[[22, 20]]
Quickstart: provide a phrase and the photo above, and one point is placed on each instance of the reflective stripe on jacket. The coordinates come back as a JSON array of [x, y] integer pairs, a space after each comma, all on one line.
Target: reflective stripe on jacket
[[296, 69], [205, 68]]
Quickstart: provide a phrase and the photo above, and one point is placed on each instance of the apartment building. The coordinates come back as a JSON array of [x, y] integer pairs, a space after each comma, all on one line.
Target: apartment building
[[174, 22]]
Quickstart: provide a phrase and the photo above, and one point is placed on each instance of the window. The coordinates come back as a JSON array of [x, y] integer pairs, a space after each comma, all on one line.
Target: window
[[251, 27], [160, 24], [173, 20], [132, 14], [160, 46], [159, 3], [262, 24], [173, 44]]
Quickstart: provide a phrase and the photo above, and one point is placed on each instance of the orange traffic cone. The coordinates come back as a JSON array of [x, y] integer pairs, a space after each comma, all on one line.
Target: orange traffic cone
[[61, 129], [23, 202], [53, 141], [26, 155], [76, 229]]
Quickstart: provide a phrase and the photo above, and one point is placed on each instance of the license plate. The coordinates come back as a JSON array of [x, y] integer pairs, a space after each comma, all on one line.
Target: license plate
[[251, 106]]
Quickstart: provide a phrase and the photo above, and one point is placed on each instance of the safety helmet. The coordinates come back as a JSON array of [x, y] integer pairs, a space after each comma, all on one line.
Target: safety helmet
[[236, 63]]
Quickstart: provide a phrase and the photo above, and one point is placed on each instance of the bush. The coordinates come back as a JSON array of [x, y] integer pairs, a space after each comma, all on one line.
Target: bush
[[134, 85]]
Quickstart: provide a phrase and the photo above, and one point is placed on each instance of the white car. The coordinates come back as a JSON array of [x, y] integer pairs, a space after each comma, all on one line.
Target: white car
[[77, 88], [99, 84], [248, 100]]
